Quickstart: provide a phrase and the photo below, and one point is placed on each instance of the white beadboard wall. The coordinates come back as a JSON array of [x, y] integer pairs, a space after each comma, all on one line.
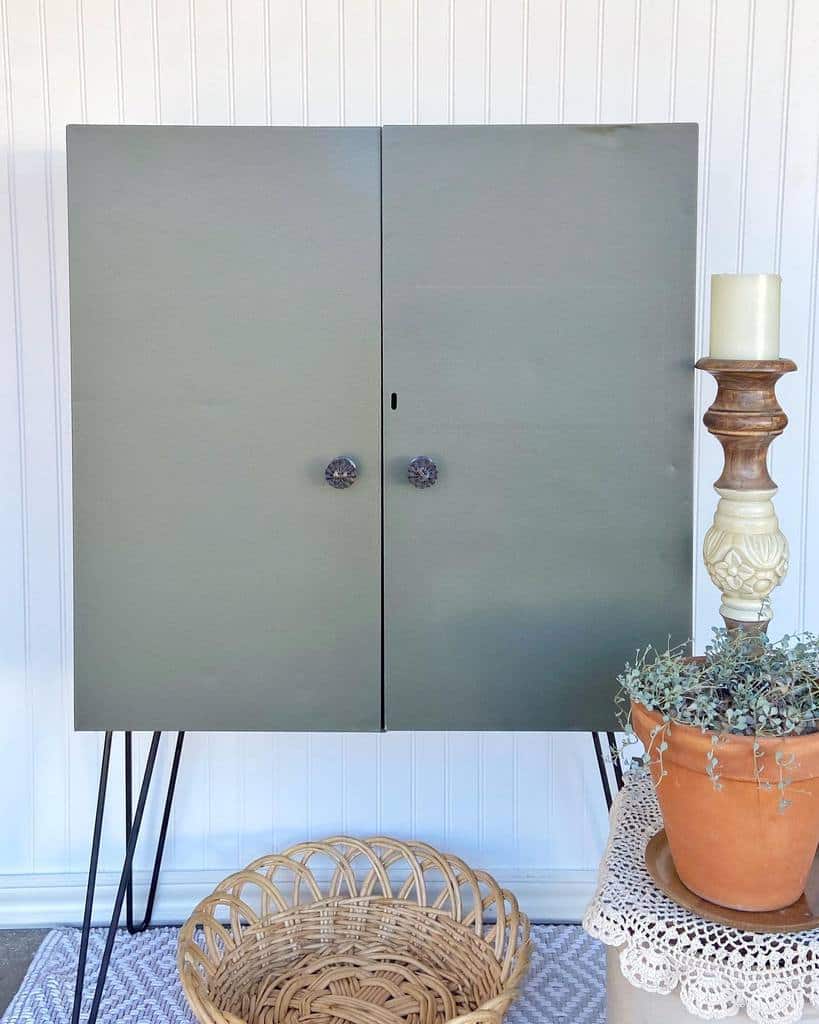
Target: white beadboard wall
[[527, 806]]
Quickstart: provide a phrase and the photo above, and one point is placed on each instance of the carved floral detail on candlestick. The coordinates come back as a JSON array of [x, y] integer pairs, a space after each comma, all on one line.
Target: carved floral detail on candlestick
[[745, 566], [745, 552]]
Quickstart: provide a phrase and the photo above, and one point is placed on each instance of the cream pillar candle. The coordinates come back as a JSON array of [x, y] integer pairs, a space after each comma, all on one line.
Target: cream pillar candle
[[745, 316]]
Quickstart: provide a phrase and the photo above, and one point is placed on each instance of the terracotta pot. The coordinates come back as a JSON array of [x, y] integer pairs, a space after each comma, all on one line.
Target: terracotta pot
[[734, 846]]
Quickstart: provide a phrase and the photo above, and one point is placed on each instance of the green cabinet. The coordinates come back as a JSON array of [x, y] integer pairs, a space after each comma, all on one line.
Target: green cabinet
[[515, 304]]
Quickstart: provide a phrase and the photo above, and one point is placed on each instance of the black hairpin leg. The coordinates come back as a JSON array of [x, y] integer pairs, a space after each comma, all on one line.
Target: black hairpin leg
[[163, 832], [601, 767], [125, 881], [92, 879], [618, 768]]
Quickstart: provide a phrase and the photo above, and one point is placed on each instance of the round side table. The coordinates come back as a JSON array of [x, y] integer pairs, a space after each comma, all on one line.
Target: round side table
[[667, 964]]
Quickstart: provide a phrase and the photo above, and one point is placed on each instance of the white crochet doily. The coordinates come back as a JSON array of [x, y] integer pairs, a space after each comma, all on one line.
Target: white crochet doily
[[719, 970]]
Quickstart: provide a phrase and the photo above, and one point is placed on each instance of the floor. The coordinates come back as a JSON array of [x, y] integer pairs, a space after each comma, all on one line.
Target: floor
[[565, 985], [17, 947]]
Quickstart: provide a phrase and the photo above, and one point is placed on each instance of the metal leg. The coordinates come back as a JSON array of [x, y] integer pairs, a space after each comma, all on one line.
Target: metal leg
[[163, 832], [601, 765], [92, 880], [125, 881], [618, 768]]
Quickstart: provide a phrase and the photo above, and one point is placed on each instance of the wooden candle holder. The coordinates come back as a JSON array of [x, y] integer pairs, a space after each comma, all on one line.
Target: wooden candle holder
[[745, 552]]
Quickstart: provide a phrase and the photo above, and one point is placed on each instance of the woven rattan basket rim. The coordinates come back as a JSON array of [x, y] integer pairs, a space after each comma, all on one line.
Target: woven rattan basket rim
[[464, 917]]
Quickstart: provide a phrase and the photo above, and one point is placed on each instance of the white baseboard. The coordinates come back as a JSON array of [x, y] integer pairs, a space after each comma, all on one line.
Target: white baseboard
[[45, 900]]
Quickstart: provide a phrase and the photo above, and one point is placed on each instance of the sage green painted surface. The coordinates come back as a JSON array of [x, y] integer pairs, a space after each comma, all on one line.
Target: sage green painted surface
[[225, 329], [538, 330], [538, 326]]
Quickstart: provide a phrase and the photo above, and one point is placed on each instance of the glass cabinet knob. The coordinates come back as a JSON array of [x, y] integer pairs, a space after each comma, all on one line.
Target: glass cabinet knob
[[422, 471], [341, 472]]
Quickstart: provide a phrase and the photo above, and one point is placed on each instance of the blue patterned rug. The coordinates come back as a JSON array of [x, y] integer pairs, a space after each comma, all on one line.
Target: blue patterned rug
[[566, 982]]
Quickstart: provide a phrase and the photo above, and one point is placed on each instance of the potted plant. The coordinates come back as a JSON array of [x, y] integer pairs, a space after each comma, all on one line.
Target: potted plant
[[732, 742]]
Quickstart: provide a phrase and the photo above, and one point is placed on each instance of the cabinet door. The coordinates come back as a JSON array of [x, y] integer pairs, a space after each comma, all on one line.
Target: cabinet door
[[538, 337], [225, 330]]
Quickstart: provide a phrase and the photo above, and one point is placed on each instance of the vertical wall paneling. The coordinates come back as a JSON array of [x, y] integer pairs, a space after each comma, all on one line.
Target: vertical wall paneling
[[801, 194], [291, 789], [256, 804], [359, 67], [212, 63], [324, 62], [399, 34], [432, 63], [468, 53], [16, 852], [655, 60], [283, 59], [505, 58], [143, 858], [137, 63], [745, 70], [706, 456], [326, 784], [99, 68], [797, 261], [758, 236], [173, 42], [55, 108], [578, 63], [36, 370], [360, 807], [496, 794], [191, 810], [616, 52], [248, 28], [224, 782], [463, 792], [62, 83], [430, 785], [544, 65], [533, 767], [395, 784]]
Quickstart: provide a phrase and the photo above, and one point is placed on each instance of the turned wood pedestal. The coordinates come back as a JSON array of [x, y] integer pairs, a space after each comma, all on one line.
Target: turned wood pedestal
[[745, 552]]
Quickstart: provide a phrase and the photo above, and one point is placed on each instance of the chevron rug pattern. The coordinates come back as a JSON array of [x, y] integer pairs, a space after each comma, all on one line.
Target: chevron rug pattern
[[566, 982]]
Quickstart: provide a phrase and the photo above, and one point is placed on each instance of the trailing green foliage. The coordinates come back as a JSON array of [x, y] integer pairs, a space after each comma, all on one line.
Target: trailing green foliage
[[745, 685]]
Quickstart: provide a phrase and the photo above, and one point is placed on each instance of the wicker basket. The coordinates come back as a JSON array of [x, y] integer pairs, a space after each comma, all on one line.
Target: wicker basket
[[350, 931]]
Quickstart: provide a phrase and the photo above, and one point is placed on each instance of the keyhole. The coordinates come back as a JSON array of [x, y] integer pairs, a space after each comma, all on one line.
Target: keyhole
[[393, 401]]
